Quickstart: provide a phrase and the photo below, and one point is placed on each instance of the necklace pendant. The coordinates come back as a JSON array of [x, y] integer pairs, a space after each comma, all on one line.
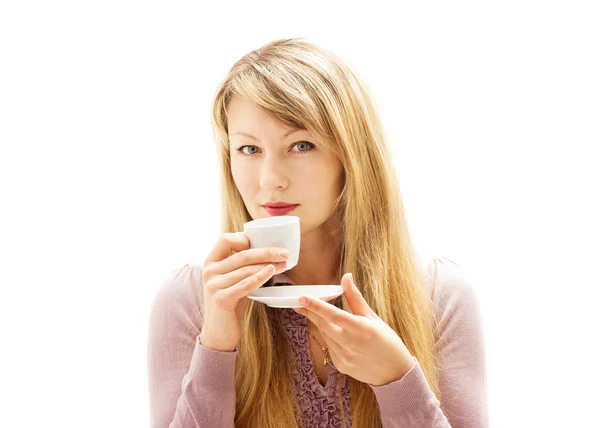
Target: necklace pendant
[[326, 361]]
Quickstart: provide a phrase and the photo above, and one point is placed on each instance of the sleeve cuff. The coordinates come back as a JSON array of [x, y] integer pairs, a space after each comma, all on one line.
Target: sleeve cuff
[[213, 369], [409, 394]]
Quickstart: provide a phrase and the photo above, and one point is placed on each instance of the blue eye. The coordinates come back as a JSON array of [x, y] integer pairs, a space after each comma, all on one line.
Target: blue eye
[[304, 146], [241, 150]]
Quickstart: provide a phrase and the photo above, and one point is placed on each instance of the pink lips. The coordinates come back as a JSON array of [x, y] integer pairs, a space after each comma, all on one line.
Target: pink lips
[[279, 208]]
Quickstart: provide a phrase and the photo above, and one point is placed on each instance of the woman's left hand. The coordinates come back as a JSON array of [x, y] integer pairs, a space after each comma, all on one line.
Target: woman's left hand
[[360, 343]]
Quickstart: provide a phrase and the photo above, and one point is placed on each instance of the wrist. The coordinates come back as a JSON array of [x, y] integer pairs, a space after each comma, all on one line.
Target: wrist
[[209, 342], [401, 369]]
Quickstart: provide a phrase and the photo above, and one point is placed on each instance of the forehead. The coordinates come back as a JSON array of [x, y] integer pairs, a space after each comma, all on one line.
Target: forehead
[[246, 118]]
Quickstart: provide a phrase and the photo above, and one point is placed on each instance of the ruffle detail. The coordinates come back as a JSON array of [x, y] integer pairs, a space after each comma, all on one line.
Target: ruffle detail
[[319, 403]]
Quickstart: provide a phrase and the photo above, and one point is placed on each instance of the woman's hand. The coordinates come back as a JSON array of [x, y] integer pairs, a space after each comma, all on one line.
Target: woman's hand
[[360, 344], [227, 281]]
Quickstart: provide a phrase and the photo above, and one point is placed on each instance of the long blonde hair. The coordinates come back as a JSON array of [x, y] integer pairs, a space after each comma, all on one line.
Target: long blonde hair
[[303, 85]]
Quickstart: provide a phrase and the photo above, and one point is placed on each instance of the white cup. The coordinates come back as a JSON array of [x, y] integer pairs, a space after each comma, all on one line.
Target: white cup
[[277, 231]]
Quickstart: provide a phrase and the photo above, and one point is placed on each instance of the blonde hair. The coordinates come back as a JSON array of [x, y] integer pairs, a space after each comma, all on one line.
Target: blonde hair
[[303, 85]]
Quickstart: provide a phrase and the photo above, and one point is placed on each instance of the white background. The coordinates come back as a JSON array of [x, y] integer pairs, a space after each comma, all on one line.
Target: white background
[[108, 181]]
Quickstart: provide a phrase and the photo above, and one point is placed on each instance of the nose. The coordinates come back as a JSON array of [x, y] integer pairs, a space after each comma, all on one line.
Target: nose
[[272, 174]]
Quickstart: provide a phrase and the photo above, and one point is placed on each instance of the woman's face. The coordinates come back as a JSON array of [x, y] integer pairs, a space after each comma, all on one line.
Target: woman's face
[[271, 163]]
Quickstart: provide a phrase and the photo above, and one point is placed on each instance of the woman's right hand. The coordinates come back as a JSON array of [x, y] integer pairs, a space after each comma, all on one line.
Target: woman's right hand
[[228, 279]]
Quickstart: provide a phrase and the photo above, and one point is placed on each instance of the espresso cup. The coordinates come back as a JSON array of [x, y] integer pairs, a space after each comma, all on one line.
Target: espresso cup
[[277, 231]]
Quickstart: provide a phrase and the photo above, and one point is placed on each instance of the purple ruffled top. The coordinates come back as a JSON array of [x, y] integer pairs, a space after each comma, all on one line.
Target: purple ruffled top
[[319, 404]]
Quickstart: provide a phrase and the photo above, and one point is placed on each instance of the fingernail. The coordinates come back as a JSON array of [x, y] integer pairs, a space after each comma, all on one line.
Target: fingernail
[[284, 253], [303, 301]]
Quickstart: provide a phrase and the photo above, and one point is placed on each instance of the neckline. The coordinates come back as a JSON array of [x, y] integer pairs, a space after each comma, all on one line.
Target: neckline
[[282, 279], [329, 385]]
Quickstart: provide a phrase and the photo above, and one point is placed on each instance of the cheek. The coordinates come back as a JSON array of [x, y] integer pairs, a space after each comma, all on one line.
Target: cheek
[[324, 181], [242, 178], [332, 174]]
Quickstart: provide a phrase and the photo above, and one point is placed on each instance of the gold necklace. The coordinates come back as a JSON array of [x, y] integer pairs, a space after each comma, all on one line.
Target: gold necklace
[[323, 348]]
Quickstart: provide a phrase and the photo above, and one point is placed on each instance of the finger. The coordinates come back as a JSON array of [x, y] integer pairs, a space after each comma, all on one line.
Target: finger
[[231, 278], [250, 257], [334, 315], [358, 305], [227, 243], [229, 297], [335, 358], [335, 350], [336, 332]]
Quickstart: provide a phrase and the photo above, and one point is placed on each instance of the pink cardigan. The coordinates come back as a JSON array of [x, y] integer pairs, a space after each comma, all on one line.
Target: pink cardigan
[[192, 386]]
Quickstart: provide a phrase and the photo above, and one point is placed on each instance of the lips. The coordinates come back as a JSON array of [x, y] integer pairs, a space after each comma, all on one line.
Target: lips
[[279, 208]]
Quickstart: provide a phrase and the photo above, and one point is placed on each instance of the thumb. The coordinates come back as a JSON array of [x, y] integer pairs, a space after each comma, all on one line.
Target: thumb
[[356, 301]]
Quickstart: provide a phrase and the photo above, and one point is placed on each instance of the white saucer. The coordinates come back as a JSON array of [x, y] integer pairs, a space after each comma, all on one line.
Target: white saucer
[[286, 296]]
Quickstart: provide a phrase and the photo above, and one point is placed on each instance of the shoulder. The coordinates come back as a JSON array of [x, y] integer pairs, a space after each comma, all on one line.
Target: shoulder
[[179, 292], [455, 300], [448, 280]]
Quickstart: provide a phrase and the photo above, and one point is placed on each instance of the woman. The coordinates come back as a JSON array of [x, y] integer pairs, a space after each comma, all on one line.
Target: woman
[[294, 127]]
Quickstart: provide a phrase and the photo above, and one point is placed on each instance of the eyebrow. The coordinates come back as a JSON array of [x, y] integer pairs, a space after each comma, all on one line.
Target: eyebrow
[[256, 139]]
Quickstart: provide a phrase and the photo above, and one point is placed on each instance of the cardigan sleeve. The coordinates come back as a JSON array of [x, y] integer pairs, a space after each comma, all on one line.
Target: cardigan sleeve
[[189, 385], [409, 402]]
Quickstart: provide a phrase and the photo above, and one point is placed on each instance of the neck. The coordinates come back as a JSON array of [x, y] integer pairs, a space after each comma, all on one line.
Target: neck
[[318, 261]]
